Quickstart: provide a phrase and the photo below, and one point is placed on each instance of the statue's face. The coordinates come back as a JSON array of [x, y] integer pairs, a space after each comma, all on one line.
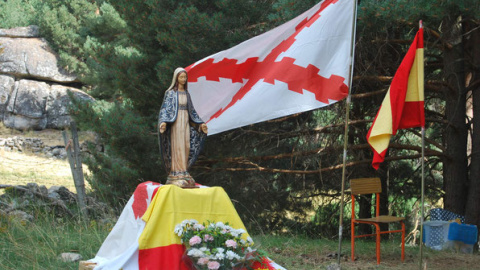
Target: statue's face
[[182, 78]]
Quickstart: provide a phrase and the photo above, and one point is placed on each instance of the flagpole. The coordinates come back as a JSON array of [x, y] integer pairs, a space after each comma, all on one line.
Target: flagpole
[[345, 141], [423, 186], [422, 198]]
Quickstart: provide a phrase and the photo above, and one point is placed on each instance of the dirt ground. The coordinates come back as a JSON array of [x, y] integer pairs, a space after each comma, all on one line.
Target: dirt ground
[[21, 168]]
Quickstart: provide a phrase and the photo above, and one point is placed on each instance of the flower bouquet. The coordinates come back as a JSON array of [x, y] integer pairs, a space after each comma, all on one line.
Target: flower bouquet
[[215, 246]]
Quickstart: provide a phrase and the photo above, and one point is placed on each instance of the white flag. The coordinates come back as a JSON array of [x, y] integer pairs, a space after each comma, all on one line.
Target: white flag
[[298, 66]]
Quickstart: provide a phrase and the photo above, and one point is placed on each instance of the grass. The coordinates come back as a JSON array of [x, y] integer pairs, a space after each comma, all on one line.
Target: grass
[[38, 245], [306, 253]]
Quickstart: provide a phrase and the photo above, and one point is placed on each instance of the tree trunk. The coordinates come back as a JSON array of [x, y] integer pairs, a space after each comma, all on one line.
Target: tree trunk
[[365, 211], [384, 203], [455, 163], [472, 211]]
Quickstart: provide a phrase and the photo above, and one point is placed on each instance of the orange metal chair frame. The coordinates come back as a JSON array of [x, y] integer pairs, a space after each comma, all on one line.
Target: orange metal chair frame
[[362, 186]]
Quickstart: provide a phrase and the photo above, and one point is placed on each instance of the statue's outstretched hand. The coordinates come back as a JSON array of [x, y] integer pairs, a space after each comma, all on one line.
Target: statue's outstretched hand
[[204, 128], [162, 127]]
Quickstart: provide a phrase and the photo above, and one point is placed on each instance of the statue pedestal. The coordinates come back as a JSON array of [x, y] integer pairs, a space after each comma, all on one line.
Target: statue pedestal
[[159, 246], [144, 237]]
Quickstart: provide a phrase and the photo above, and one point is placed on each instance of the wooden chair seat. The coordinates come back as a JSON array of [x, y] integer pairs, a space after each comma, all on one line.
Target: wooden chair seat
[[380, 219]]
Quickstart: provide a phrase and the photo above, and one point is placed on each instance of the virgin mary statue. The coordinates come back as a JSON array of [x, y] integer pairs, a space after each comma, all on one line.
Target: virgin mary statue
[[182, 131]]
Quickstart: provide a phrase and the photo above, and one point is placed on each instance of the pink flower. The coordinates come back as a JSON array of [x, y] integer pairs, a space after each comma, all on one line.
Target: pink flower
[[213, 265], [231, 243], [202, 261], [207, 237], [195, 240]]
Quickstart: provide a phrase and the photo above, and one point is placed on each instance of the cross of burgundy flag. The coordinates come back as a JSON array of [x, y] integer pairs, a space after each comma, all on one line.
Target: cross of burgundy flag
[[299, 66], [403, 105]]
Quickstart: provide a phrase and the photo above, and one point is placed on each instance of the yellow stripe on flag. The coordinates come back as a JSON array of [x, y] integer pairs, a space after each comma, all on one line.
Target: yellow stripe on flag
[[382, 129], [415, 79]]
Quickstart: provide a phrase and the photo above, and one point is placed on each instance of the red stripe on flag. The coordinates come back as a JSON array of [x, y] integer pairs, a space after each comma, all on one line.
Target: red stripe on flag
[[412, 115], [378, 158], [167, 257]]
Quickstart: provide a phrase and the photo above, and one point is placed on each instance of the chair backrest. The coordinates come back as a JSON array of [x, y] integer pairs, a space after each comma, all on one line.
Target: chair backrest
[[365, 186]]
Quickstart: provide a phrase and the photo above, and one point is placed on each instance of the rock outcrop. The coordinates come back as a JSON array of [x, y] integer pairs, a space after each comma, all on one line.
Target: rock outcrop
[[23, 202], [33, 88], [34, 146]]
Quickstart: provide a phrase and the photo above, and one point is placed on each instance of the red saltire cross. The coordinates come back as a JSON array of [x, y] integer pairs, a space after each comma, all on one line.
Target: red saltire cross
[[269, 70]]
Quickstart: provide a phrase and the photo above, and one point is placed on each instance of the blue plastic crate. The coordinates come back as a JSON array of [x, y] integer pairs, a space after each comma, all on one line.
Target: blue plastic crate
[[435, 234], [463, 232]]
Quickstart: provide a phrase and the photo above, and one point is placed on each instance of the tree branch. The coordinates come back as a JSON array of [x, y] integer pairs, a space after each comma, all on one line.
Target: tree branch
[[320, 170]]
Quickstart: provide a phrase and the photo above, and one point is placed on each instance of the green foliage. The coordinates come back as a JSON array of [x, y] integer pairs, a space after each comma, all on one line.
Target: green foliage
[[385, 14], [64, 25], [18, 13], [285, 10], [131, 154]]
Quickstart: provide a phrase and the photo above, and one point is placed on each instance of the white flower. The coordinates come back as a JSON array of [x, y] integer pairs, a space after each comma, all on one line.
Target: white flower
[[232, 255], [250, 240], [195, 252], [178, 230], [220, 256], [192, 222], [198, 227], [238, 232], [220, 225], [220, 250]]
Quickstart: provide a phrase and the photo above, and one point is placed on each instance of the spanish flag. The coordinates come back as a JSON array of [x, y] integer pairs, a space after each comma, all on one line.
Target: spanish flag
[[403, 106], [159, 246]]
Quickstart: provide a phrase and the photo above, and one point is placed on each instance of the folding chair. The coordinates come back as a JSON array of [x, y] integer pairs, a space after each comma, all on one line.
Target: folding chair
[[362, 186]]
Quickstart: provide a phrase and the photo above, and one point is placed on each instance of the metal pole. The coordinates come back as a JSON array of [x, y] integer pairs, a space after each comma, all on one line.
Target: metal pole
[[345, 141], [422, 198], [422, 208]]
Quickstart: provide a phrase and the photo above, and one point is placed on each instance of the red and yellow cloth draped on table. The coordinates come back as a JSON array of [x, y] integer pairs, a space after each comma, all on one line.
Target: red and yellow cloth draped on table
[[159, 246], [403, 106]]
